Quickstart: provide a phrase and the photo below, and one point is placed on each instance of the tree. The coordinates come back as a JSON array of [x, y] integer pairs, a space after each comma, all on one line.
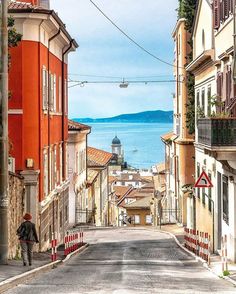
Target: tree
[[13, 40], [13, 37]]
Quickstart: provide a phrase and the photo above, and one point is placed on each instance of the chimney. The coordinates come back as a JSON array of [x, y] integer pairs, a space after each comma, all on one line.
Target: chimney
[[44, 4]]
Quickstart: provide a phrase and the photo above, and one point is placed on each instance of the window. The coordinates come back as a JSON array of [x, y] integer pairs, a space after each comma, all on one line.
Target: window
[[51, 169], [59, 96], [60, 220], [55, 166], [209, 101], [209, 195], [77, 162], [51, 91], [66, 213], [198, 175], [45, 88], [203, 100], [148, 219], [203, 40], [45, 172], [137, 219], [203, 196], [225, 200], [198, 99], [65, 97], [60, 163], [54, 93]]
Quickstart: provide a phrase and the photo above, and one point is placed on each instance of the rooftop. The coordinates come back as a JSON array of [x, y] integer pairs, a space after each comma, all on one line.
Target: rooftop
[[75, 126], [98, 158], [141, 203]]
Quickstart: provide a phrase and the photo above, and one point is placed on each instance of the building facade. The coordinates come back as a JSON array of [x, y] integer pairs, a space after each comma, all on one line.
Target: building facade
[[77, 149], [38, 114], [215, 146]]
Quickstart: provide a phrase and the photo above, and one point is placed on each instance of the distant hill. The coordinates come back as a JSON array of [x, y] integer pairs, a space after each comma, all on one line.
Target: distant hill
[[155, 116]]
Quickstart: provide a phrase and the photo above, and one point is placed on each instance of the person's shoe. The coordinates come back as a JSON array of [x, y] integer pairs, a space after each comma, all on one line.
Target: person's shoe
[[24, 264]]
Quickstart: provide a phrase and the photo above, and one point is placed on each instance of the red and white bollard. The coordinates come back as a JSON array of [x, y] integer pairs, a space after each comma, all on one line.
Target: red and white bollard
[[54, 248], [224, 258], [66, 243], [81, 237]]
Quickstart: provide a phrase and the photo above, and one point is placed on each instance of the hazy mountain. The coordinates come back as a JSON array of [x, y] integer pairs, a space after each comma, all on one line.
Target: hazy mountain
[[155, 116]]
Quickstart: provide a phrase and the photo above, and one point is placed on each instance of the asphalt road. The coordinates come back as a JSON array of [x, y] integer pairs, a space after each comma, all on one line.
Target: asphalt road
[[128, 261]]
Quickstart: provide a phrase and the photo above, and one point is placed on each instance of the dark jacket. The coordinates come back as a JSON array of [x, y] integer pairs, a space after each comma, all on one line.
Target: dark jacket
[[27, 232]]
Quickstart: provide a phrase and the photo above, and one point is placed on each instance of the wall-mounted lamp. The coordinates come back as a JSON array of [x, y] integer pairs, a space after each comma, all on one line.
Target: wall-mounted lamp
[[29, 163]]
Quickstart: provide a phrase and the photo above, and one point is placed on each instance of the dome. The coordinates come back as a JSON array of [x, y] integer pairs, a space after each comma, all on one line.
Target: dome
[[116, 141]]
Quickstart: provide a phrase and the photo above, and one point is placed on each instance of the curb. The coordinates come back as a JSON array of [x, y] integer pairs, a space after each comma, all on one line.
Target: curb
[[204, 263], [16, 280]]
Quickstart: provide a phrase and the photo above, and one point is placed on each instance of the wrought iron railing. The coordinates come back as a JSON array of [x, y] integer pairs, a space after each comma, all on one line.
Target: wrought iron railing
[[217, 131]]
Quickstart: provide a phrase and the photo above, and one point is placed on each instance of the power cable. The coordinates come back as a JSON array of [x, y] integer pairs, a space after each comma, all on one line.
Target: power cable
[[124, 82], [116, 77], [131, 39]]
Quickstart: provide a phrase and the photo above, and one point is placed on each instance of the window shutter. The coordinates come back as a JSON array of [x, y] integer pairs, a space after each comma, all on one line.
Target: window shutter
[[55, 92], [221, 11], [231, 6], [216, 14], [45, 88], [226, 9], [51, 87]]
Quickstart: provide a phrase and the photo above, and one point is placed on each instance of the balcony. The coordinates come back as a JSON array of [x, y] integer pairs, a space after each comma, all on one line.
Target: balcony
[[217, 132]]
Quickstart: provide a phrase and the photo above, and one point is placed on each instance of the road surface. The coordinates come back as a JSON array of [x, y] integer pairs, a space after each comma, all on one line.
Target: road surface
[[124, 261]]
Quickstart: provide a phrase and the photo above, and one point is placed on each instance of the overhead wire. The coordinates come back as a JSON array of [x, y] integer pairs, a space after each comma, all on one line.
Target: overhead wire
[[131, 39], [82, 83]]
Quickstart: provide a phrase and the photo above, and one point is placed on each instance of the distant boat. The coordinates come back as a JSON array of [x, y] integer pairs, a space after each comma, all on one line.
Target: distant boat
[[135, 150]]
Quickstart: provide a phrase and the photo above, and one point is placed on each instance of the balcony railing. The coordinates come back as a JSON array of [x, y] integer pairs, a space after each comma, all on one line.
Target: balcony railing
[[217, 131]]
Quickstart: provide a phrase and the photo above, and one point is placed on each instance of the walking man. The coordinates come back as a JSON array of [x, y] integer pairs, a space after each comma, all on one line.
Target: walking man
[[27, 236]]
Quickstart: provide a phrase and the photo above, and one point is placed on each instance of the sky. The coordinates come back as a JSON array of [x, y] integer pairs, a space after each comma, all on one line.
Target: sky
[[104, 51]]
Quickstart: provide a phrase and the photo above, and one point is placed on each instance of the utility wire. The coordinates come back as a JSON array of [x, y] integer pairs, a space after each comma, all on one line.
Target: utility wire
[[125, 77], [131, 39], [82, 83]]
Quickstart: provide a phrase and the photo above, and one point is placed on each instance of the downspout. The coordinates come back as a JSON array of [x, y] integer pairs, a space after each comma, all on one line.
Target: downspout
[[234, 34], [49, 131], [63, 107], [49, 91], [40, 129]]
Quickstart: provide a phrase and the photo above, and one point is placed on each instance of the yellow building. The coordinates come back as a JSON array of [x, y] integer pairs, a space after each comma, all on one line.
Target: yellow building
[[179, 144]]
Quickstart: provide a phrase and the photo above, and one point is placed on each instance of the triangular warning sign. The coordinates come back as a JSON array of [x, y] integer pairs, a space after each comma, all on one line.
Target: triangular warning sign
[[203, 181]]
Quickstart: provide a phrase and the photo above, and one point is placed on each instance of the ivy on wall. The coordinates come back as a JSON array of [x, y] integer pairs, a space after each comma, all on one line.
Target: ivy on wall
[[186, 10]]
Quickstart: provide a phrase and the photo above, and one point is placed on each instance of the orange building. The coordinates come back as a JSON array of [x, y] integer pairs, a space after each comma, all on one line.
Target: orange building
[[38, 113]]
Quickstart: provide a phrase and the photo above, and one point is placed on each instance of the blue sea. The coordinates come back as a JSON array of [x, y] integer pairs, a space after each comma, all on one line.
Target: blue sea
[[141, 142]]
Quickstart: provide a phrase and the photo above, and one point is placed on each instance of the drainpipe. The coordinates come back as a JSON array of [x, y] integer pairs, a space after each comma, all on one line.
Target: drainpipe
[[49, 131], [40, 109], [63, 107], [234, 34]]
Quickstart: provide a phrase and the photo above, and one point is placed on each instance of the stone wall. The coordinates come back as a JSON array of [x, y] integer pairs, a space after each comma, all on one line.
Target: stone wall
[[16, 211]]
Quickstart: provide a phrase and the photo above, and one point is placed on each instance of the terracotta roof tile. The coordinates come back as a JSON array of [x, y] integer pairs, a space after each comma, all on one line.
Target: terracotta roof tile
[[141, 203], [21, 5], [167, 137], [75, 126], [120, 191], [98, 158]]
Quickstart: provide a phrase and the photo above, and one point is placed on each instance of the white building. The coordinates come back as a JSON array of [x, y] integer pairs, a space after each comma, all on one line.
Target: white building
[[77, 151], [215, 102]]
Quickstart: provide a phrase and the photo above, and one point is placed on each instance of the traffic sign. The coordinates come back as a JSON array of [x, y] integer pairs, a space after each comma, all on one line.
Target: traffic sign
[[203, 181]]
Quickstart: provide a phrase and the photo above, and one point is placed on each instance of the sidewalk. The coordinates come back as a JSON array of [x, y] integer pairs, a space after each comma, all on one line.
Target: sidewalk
[[15, 273], [215, 264], [15, 267]]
